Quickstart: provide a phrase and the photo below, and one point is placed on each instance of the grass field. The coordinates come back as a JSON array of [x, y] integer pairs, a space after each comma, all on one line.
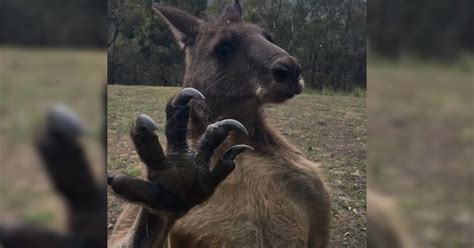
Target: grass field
[[30, 81], [328, 129], [421, 143]]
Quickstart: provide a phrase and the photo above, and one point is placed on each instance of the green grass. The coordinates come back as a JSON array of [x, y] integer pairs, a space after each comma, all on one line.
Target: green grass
[[133, 171], [356, 92], [39, 217], [32, 79]]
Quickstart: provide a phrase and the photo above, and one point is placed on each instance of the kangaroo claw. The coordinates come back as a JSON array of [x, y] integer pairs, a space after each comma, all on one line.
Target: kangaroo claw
[[145, 121], [186, 95], [232, 152]]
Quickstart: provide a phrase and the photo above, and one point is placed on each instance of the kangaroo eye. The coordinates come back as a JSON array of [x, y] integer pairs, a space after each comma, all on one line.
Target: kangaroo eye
[[224, 49], [268, 36]]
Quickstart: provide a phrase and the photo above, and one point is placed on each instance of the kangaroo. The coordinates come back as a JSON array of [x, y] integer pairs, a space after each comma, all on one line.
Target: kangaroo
[[260, 193]]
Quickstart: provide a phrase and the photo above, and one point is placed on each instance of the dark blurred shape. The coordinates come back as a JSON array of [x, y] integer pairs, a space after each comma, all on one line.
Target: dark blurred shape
[[384, 224], [26, 236], [80, 23], [435, 29], [61, 151]]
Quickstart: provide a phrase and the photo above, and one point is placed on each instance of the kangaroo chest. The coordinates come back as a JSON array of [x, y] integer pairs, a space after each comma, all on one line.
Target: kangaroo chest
[[253, 207]]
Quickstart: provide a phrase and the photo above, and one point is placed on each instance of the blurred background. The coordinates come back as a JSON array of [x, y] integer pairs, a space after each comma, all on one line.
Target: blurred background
[[50, 52], [421, 119]]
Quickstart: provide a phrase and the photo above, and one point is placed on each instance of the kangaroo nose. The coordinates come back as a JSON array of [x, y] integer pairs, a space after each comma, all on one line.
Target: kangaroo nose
[[286, 69]]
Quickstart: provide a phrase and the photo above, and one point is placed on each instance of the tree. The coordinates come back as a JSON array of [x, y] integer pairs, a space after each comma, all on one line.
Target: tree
[[327, 36]]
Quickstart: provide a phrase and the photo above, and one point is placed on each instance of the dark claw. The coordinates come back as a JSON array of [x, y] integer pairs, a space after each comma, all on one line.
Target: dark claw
[[147, 144], [110, 178], [186, 95], [177, 116], [230, 124], [145, 121], [232, 152], [63, 120], [226, 164], [214, 136]]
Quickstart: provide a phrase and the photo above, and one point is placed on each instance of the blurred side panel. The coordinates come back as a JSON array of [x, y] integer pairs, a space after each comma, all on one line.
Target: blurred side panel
[[421, 122], [52, 53]]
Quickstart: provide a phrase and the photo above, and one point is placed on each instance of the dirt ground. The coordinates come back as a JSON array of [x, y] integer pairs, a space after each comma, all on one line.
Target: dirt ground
[[328, 129]]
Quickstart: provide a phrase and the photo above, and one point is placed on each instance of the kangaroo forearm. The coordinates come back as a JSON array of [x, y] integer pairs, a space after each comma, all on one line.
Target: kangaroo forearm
[[149, 230]]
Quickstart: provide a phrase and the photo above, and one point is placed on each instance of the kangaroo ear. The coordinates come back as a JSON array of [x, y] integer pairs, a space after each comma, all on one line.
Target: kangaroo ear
[[183, 25], [232, 13]]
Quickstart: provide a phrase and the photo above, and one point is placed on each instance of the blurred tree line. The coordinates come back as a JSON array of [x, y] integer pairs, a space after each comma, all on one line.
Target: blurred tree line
[[78, 23], [327, 36], [426, 28]]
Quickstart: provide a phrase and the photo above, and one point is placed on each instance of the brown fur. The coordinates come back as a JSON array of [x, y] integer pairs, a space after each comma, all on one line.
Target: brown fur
[[275, 196], [384, 225]]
